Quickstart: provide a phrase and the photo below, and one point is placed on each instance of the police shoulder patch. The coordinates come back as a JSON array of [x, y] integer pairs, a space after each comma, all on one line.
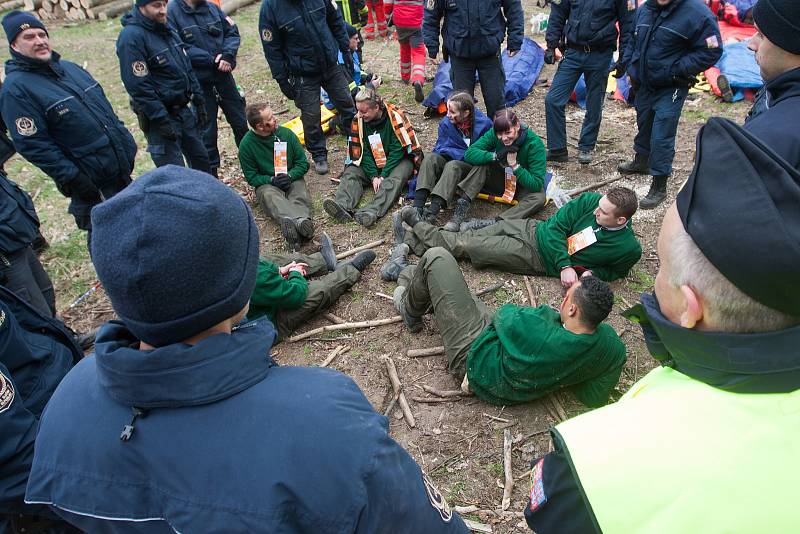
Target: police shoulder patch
[[437, 500], [266, 35], [712, 42], [140, 69], [6, 393], [25, 126], [537, 496]]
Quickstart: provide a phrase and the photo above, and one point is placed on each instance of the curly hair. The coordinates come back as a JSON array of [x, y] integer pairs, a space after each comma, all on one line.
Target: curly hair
[[595, 299]]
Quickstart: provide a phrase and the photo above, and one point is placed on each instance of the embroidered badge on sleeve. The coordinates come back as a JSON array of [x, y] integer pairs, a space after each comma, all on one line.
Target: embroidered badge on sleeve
[[538, 497], [6, 393], [140, 69], [712, 42], [25, 126]]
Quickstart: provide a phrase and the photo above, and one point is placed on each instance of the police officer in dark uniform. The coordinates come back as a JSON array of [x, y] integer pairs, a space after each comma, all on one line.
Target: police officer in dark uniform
[[302, 40], [472, 32], [159, 78], [674, 40], [213, 42], [61, 121], [586, 31]]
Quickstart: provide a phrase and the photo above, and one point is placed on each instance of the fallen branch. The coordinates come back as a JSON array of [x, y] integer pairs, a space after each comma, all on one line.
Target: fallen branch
[[495, 418], [444, 393], [334, 318], [435, 400], [389, 408], [341, 349], [579, 190], [519, 441], [421, 353], [384, 296], [490, 289], [509, 486], [395, 380], [474, 526], [562, 414], [531, 296], [345, 326], [356, 250]]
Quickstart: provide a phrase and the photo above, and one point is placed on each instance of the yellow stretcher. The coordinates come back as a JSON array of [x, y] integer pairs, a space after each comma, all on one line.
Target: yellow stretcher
[[296, 125]]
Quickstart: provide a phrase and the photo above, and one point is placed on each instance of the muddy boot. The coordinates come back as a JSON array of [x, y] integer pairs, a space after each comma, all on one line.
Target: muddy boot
[[420, 196], [419, 96], [338, 213], [397, 227], [459, 214], [398, 261], [656, 195], [476, 224], [429, 214], [639, 165], [360, 261], [328, 252], [414, 324], [410, 216], [289, 232], [305, 228]]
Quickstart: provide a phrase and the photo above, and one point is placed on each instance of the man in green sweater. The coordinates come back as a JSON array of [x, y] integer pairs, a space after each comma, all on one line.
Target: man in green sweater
[[518, 353], [590, 235], [273, 161]]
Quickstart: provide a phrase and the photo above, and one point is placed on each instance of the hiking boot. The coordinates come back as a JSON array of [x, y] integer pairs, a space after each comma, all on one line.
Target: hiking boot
[[459, 214], [304, 227], [336, 212], [639, 165], [289, 231], [365, 218], [657, 193], [360, 261], [327, 251], [429, 214], [321, 166], [398, 261], [410, 216], [476, 224], [397, 227], [584, 157], [419, 96], [558, 156], [725, 88], [420, 196], [414, 324]]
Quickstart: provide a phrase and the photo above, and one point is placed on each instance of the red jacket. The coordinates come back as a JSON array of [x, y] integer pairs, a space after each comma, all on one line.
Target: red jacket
[[407, 13]]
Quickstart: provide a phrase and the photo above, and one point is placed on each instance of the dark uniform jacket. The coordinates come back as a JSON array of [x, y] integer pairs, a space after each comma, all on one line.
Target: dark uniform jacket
[[154, 66], [473, 28], [19, 224], [301, 37], [61, 121], [35, 354], [207, 32], [229, 442], [672, 44], [591, 23], [776, 115]]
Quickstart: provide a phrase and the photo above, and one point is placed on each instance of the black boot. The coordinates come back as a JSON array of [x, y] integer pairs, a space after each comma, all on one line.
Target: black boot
[[360, 261], [459, 214], [429, 214], [420, 196], [639, 165], [656, 195]]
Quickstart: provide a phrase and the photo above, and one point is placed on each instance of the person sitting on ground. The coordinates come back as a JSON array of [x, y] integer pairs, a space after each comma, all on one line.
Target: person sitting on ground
[[286, 298], [590, 235], [274, 162], [382, 151], [444, 171], [518, 353], [182, 421]]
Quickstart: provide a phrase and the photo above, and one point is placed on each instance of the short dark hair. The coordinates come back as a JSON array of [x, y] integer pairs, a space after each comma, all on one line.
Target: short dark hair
[[624, 200], [504, 119], [463, 101], [595, 299], [254, 112]]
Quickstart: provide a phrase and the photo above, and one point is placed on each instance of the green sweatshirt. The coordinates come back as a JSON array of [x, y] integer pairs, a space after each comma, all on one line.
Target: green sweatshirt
[[611, 257], [256, 156], [531, 158], [274, 293], [527, 353], [392, 147]]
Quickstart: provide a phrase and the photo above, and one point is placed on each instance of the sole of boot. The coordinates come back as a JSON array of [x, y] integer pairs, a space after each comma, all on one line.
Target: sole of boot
[[410, 216], [397, 228], [289, 231], [365, 219], [328, 252], [419, 96], [725, 88], [336, 212], [321, 168], [306, 228]]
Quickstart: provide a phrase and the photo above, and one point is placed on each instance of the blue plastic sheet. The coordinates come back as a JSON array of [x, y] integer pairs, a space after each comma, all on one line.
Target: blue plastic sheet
[[739, 66]]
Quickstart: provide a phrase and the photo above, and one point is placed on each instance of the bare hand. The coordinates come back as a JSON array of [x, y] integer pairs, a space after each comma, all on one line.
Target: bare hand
[[587, 273], [511, 158], [293, 267], [376, 81], [376, 183], [301, 268], [224, 66], [512, 53], [568, 277]]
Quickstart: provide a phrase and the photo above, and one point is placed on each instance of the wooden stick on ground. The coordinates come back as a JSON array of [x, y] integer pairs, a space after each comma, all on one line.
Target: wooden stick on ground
[[395, 380], [389, 408], [356, 250], [420, 353], [338, 351], [509, 486], [562, 414], [384, 296], [444, 393], [474, 526], [595, 185], [490, 289], [345, 326], [531, 296], [435, 400], [335, 319]]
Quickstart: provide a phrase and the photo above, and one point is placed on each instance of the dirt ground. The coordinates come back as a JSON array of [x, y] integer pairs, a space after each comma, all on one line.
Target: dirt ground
[[459, 443]]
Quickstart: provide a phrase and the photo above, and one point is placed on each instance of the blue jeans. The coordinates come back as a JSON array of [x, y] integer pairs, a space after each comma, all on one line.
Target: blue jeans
[[594, 67], [189, 144], [222, 92], [657, 115]]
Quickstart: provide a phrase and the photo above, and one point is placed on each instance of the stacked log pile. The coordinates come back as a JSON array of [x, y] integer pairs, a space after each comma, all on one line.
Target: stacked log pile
[[76, 10]]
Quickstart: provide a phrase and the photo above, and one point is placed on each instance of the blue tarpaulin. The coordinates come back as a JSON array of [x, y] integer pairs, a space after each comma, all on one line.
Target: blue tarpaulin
[[738, 64]]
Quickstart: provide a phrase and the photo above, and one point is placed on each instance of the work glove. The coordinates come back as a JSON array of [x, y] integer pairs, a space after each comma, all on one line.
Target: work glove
[[167, 130], [618, 69], [81, 186], [201, 113], [550, 56], [287, 88], [432, 53], [283, 182]]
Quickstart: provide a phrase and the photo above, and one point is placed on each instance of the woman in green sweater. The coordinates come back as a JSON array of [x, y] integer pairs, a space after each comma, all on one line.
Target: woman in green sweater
[[508, 148]]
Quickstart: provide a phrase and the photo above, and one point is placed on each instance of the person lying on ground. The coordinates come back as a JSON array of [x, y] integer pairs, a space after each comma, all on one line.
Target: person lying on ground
[[519, 353], [590, 235]]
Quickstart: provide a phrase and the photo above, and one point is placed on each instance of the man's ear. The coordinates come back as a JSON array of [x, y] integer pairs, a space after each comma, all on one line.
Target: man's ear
[[621, 221], [693, 310], [573, 310]]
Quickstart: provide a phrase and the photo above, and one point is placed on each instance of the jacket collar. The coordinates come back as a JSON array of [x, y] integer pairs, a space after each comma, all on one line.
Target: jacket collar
[[787, 85], [740, 363], [182, 375], [201, 7], [20, 62], [135, 18]]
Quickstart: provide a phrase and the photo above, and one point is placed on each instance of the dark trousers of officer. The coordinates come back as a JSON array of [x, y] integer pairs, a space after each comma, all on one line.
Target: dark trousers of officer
[[657, 114], [353, 182], [189, 143], [322, 294], [508, 245], [437, 282], [81, 207], [492, 78], [306, 99], [22, 272], [594, 66], [295, 204], [221, 92], [316, 263]]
